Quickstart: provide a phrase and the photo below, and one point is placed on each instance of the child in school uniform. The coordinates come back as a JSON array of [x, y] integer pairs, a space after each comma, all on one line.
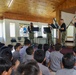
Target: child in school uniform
[[68, 61]]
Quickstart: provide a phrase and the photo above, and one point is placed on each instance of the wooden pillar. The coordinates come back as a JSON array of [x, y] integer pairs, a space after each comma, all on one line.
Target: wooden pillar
[[58, 17]]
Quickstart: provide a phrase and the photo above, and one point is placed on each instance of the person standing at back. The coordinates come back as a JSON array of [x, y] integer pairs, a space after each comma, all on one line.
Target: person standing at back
[[55, 58], [63, 32], [22, 52]]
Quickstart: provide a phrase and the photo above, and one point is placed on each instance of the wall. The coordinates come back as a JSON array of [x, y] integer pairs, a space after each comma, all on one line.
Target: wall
[[1, 38], [6, 34]]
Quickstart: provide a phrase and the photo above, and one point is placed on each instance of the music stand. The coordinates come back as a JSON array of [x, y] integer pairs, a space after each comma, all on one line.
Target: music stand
[[36, 29], [46, 29]]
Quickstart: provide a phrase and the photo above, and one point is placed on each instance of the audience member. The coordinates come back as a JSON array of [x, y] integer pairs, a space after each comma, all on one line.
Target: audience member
[[68, 61], [27, 43], [5, 67], [39, 57], [16, 54], [6, 53], [46, 52], [74, 53], [56, 58], [31, 68], [29, 54]]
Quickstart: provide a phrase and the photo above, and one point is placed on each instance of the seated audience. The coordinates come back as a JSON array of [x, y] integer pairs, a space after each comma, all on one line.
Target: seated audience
[[15, 64], [31, 68], [68, 61], [22, 51], [56, 58], [47, 53], [6, 53], [16, 54], [39, 57], [29, 55], [74, 53], [5, 67]]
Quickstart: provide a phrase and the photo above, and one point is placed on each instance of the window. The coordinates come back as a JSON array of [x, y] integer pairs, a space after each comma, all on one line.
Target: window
[[54, 33], [0, 30], [23, 30], [70, 31], [36, 33], [12, 29]]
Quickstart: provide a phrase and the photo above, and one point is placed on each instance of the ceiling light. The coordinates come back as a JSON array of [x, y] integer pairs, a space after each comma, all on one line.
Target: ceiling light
[[10, 3]]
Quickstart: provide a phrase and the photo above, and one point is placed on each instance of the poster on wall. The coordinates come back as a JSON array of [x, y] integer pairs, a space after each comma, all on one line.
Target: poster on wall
[[23, 30]]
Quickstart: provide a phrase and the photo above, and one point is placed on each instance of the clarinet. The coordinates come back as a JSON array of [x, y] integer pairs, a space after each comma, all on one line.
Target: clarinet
[[57, 26]]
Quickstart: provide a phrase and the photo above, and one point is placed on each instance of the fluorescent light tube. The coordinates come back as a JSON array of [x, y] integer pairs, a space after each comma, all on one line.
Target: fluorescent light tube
[[10, 3]]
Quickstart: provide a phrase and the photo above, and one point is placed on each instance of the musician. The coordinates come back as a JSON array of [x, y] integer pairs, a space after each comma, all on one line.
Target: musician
[[74, 30], [63, 32], [49, 35], [31, 32]]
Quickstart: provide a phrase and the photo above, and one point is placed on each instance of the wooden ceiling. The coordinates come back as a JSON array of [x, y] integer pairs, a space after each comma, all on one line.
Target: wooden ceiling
[[70, 10], [31, 8]]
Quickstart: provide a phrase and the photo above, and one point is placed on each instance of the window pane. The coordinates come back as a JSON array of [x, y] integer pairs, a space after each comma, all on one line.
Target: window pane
[[0, 30], [12, 29], [35, 32], [54, 34], [70, 31]]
